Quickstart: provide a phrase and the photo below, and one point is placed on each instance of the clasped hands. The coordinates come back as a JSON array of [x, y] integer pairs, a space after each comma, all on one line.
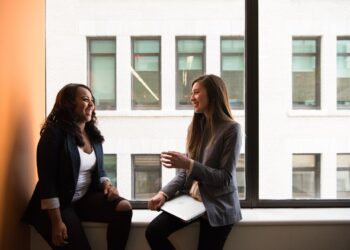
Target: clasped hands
[[110, 191]]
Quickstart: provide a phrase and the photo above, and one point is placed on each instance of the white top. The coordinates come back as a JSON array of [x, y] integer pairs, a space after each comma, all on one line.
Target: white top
[[87, 165]]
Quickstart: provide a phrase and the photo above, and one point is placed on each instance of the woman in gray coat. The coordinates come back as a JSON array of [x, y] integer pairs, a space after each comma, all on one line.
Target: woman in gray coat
[[207, 172]]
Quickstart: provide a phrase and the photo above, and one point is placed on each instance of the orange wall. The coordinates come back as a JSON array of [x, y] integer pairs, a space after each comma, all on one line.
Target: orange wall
[[22, 110]]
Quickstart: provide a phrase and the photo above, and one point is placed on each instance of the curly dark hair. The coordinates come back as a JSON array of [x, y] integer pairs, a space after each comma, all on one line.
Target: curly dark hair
[[62, 115]]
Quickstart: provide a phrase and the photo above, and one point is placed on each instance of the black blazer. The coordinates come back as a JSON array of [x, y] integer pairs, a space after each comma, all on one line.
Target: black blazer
[[58, 165]]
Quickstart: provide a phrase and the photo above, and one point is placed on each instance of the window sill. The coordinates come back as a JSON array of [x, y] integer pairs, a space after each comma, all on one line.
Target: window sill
[[268, 216], [153, 113], [318, 113]]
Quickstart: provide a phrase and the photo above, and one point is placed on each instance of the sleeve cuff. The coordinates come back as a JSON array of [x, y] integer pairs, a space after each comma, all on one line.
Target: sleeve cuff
[[50, 203], [103, 179], [165, 195], [189, 171]]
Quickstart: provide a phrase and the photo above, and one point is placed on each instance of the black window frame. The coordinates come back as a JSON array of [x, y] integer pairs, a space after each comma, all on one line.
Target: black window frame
[[252, 127]]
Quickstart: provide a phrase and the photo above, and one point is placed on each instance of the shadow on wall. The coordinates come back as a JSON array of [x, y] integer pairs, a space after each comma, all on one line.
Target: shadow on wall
[[18, 183]]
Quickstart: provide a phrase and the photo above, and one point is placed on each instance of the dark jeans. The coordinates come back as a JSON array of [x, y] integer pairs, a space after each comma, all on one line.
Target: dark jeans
[[92, 207], [210, 238]]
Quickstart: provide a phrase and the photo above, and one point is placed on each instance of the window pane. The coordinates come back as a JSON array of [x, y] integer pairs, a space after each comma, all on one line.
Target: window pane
[[102, 70], [103, 81], [102, 46], [190, 65], [343, 74], [232, 46], [146, 46], [110, 165], [305, 74], [343, 176], [146, 74], [305, 176], [190, 46], [147, 176], [304, 46], [232, 69], [241, 180]]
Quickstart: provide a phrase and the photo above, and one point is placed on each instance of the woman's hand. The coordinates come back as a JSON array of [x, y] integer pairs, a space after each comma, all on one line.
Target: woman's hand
[[172, 159], [110, 191], [59, 234], [156, 202]]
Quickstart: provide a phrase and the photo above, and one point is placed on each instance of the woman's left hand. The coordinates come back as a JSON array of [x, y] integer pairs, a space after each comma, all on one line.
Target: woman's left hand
[[110, 191], [172, 159]]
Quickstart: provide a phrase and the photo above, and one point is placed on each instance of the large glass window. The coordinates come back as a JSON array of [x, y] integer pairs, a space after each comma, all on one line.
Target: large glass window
[[146, 73], [190, 64], [102, 71], [343, 176], [232, 69], [146, 176], [110, 165], [306, 75], [306, 176], [343, 72]]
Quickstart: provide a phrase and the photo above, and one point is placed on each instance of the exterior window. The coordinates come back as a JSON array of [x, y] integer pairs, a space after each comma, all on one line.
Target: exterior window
[[306, 176], [146, 73], [306, 73], [102, 71], [146, 176], [190, 54], [110, 165], [232, 69], [343, 176], [241, 176], [343, 73]]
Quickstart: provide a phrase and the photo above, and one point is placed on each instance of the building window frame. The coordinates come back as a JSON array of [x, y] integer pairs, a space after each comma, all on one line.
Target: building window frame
[[112, 106], [236, 54], [178, 54], [136, 200], [317, 56], [344, 54], [159, 55], [316, 169]]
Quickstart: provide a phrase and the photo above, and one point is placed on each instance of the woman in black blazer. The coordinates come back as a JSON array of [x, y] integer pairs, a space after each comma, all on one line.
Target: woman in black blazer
[[72, 185]]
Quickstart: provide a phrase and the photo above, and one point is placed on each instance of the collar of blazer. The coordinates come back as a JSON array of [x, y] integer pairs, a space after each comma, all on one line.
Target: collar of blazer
[[72, 149]]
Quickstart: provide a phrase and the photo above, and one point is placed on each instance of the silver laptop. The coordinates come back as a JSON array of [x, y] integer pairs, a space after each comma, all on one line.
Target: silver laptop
[[184, 207]]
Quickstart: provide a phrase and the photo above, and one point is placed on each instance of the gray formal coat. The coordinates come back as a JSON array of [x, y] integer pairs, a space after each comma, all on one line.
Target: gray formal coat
[[215, 171]]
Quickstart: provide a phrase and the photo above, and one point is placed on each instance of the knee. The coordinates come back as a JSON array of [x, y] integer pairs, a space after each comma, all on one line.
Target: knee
[[123, 205]]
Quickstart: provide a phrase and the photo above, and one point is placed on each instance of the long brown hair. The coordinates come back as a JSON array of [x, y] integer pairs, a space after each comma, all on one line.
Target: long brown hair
[[62, 115], [218, 111]]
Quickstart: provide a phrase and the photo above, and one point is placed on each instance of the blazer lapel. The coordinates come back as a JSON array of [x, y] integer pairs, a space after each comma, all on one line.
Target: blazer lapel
[[74, 155]]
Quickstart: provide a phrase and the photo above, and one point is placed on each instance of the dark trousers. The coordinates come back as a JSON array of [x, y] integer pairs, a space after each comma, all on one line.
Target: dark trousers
[[92, 207], [210, 238]]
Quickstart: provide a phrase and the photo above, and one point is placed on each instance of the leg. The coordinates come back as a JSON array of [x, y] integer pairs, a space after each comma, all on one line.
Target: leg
[[211, 238], [160, 228], [95, 207], [76, 235]]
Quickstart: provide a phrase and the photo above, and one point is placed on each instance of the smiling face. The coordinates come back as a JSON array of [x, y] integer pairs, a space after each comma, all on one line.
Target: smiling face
[[84, 105], [199, 98]]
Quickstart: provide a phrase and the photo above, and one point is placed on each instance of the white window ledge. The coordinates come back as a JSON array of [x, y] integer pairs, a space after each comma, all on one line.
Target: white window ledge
[[268, 216]]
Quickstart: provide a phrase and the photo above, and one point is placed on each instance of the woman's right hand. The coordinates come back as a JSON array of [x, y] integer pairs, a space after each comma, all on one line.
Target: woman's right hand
[[156, 202], [59, 234]]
